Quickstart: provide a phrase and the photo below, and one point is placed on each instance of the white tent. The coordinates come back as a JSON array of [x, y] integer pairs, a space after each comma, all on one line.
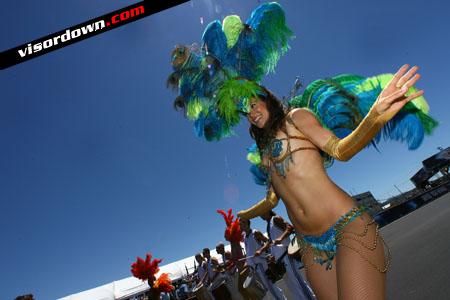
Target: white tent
[[127, 287]]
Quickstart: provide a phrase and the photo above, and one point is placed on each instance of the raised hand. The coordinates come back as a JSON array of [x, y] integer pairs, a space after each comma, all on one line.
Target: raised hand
[[393, 98]]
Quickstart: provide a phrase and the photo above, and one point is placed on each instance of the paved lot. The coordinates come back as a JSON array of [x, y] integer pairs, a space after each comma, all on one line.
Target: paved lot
[[420, 247]]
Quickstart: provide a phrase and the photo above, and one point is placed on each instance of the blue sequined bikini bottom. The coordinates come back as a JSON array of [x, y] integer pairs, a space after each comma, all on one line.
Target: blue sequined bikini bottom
[[324, 246]]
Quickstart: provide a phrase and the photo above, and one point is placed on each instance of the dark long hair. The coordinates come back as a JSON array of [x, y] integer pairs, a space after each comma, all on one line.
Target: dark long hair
[[277, 113]]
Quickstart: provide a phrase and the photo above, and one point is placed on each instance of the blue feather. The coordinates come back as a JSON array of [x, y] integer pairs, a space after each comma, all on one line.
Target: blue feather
[[215, 40], [405, 127], [259, 176]]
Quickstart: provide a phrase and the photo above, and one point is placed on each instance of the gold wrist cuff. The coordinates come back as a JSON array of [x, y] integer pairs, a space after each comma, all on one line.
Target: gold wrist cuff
[[260, 208]]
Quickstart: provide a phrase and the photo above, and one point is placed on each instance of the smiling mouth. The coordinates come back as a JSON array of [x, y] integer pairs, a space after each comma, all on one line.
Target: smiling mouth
[[256, 120]]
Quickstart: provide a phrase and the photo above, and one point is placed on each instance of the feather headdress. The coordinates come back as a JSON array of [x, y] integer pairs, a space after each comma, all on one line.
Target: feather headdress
[[215, 82], [147, 270], [233, 232]]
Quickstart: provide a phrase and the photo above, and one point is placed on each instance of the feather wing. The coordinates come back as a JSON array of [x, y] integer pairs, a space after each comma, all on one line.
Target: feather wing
[[340, 103]]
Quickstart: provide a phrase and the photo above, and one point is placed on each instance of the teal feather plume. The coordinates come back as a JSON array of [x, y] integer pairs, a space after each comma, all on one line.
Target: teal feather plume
[[340, 103]]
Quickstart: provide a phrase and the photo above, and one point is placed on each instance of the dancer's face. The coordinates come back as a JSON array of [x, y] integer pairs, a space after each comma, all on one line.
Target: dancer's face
[[258, 114]]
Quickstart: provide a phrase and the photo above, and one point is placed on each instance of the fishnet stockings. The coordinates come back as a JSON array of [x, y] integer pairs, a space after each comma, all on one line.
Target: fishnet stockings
[[361, 265], [322, 281], [359, 268]]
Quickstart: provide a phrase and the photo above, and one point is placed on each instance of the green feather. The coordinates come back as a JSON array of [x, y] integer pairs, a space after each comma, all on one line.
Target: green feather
[[233, 92], [384, 79], [193, 109], [232, 27], [254, 158], [277, 30], [428, 123], [273, 35], [309, 92]]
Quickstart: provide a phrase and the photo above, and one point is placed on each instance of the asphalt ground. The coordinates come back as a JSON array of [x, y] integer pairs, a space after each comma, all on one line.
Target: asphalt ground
[[420, 248]]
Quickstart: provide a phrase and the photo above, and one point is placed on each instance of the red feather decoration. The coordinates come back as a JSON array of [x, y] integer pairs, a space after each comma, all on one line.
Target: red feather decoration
[[163, 283], [233, 231], [145, 269], [227, 217]]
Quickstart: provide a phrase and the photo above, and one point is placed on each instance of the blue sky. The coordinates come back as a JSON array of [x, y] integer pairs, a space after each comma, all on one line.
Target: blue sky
[[96, 167]]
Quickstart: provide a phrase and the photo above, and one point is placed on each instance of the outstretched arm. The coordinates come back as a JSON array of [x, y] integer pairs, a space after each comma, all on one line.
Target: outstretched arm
[[269, 202], [388, 103], [283, 225]]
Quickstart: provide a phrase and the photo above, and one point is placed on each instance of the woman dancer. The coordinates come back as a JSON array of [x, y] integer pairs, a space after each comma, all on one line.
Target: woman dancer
[[219, 81], [341, 245]]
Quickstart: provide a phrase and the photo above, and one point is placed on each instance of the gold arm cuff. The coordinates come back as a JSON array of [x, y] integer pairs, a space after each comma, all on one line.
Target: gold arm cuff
[[346, 148], [331, 146], [260, 208]]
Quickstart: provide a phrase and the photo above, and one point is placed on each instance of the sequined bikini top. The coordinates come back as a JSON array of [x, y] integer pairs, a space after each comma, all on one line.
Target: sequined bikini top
[[280, 162]]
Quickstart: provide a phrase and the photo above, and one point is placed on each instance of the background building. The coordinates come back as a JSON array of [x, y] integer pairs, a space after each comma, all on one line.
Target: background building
[[369, 201], [431, 166]]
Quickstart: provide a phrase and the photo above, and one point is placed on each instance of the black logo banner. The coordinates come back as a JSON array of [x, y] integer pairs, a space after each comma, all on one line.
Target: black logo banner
[[83, 31]]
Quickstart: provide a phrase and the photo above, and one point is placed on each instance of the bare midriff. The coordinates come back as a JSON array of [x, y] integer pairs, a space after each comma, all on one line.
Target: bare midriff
[[313, 201]]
